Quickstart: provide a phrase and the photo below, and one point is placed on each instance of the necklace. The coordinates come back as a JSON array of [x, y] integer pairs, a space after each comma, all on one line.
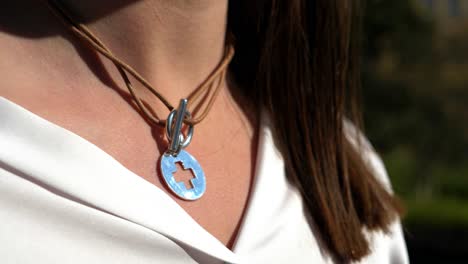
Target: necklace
[[177, 117]]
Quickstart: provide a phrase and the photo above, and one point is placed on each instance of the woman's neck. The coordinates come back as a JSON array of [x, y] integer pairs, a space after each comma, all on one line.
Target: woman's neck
[[173, 43]]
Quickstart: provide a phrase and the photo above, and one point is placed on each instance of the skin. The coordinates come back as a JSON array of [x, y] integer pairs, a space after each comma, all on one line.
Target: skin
[[174, 45]]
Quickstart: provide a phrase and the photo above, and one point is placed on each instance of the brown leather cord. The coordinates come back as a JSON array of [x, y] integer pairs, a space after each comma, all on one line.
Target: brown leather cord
[[82, 32]]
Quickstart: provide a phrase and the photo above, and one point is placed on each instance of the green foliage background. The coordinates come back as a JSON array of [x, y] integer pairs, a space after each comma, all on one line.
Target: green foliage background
[[415, 78]]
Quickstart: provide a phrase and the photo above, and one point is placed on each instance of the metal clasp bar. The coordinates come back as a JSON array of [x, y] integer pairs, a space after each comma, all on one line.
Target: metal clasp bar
[[174, 130]]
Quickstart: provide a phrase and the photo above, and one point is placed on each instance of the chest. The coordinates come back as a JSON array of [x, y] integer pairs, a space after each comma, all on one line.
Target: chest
[[226, 154]]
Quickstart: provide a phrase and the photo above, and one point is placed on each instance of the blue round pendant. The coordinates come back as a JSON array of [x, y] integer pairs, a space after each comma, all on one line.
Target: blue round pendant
[[168, 168]]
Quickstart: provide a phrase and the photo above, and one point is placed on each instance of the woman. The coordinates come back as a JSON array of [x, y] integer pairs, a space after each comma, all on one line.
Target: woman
[[287, 178]]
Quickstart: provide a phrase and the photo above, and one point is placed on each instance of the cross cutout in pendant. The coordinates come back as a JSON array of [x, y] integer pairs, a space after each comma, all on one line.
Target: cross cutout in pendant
[[185, 175]]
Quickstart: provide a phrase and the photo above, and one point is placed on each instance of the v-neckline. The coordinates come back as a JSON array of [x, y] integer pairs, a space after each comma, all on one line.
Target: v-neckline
[[70, 139]]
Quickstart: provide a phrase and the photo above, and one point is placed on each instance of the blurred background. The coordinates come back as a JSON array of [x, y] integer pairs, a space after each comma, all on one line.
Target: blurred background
[[416, 114]]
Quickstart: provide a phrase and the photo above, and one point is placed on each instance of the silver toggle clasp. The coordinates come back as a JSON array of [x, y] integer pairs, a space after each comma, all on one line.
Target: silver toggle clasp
[[177, 140]]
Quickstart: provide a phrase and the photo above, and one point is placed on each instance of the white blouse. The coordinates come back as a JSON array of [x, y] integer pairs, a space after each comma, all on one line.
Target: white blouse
[[64, 200]]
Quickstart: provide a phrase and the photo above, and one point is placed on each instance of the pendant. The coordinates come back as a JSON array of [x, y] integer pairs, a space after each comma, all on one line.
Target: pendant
[[175, 154], [168, 168]]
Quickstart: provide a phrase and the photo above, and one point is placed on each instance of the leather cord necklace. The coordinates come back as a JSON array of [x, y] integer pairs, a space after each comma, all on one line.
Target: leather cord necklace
[[176, 118]]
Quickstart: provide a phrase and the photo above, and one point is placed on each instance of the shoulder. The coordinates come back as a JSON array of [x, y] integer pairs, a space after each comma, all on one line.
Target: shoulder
[[369, 155], [387, 247]]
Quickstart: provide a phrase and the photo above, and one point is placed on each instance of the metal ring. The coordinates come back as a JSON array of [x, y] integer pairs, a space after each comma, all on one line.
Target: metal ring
[[185, 140], [169, 120]]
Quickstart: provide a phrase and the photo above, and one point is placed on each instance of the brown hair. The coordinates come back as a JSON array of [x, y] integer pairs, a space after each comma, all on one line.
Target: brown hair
[[299, 59]]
